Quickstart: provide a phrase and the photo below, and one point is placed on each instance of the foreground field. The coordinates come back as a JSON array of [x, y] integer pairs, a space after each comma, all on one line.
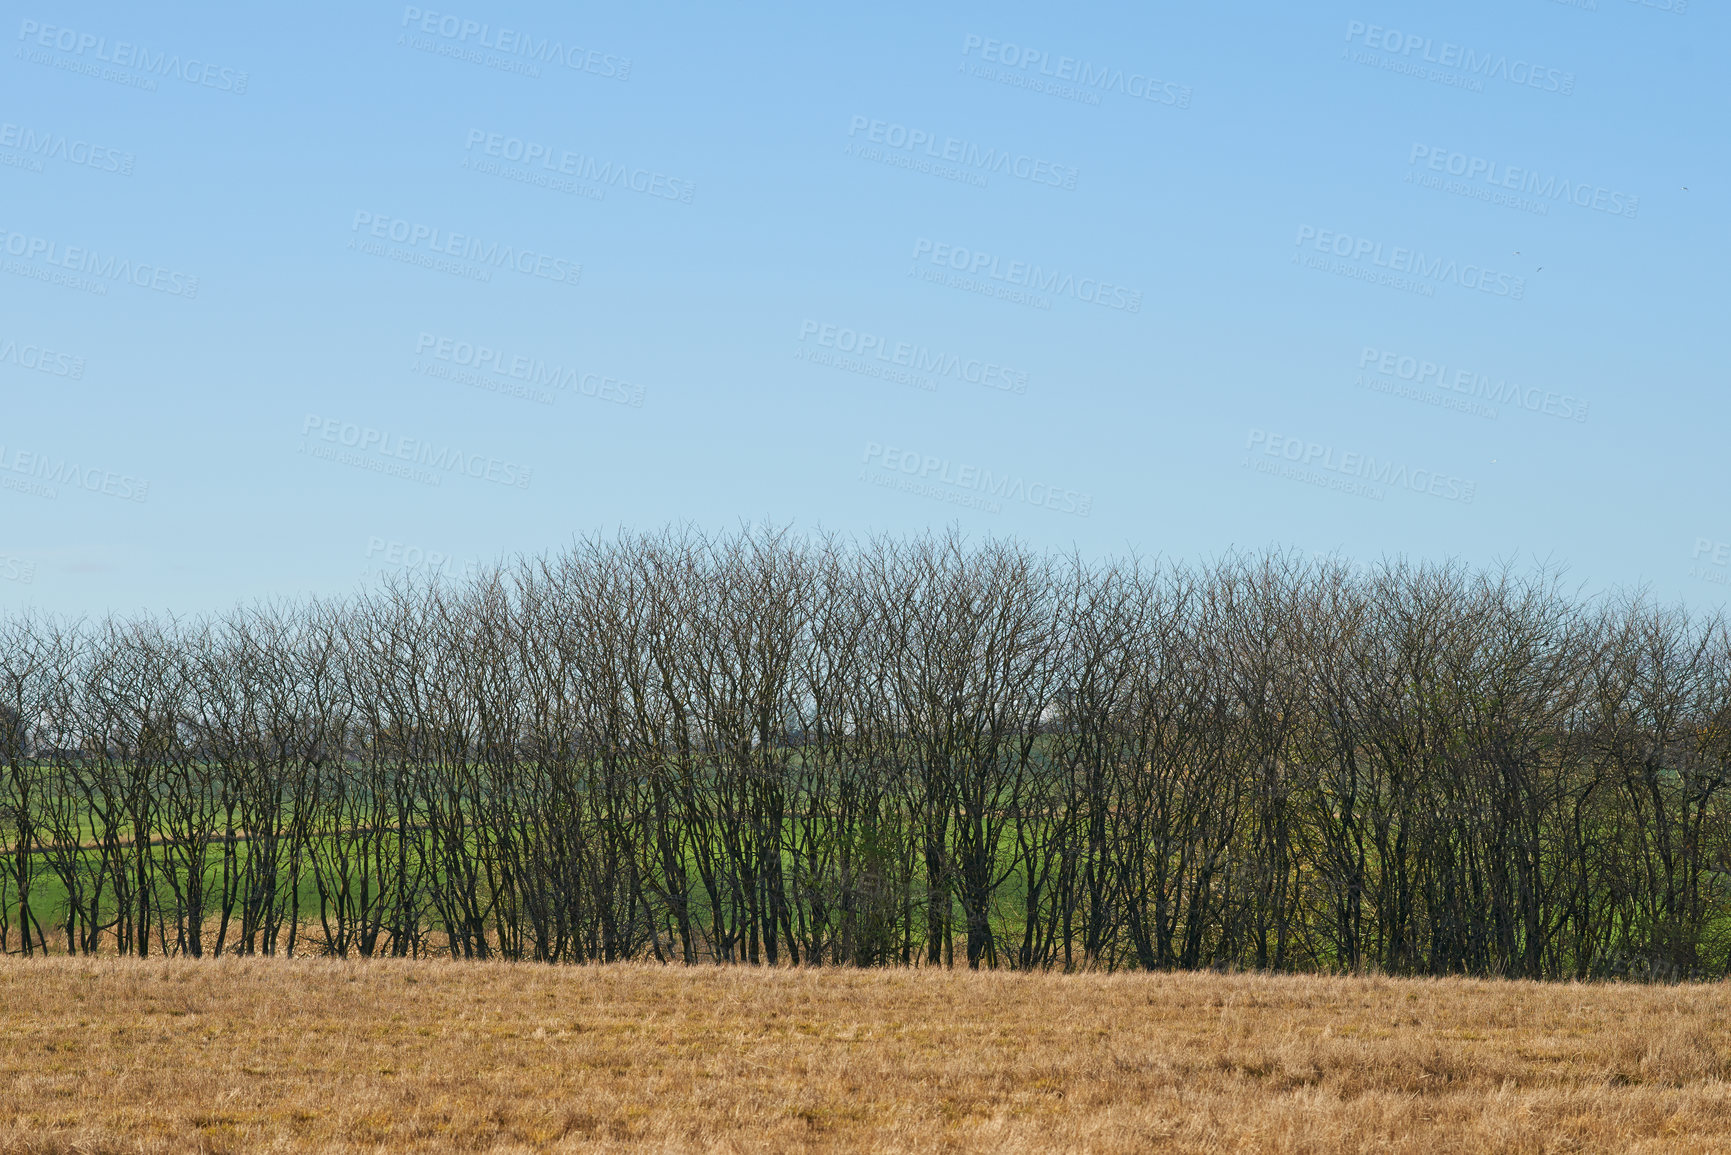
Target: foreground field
[[243, 1055]]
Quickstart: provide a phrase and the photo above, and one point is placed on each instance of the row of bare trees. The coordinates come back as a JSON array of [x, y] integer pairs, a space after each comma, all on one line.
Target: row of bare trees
[[783, 750]]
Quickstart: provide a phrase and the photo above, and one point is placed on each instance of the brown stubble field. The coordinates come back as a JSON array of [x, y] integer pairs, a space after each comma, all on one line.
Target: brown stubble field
[[260, 1054]]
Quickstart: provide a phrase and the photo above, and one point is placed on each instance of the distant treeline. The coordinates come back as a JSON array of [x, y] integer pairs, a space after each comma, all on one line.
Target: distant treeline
[[777, 749]]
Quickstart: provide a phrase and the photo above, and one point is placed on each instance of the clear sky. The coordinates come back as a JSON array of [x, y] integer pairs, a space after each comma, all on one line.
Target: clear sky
[[295, 295]]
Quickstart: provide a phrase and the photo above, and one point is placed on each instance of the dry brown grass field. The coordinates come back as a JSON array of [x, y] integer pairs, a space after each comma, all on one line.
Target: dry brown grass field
[[256, 1055]]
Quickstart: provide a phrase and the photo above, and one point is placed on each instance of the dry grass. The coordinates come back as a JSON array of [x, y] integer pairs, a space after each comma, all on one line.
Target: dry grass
[[249, 1055]]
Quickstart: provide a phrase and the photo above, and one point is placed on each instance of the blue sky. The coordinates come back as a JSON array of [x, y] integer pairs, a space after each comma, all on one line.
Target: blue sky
[[290, 299]]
